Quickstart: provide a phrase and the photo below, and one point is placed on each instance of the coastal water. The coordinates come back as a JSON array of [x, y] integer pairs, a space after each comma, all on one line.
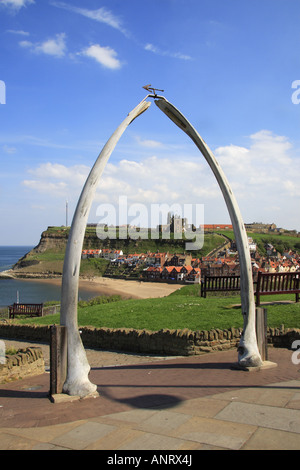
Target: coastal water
[[9, 255], [28, 291]]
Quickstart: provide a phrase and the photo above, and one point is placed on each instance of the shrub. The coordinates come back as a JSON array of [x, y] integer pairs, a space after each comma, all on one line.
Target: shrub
[[101, 299]]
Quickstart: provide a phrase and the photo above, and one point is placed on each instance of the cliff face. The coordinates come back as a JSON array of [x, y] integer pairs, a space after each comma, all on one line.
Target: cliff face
[[46, 259], [53, 241]]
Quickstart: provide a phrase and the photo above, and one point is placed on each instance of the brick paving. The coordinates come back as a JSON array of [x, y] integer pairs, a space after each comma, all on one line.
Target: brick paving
[[178, 403], [157, 384]]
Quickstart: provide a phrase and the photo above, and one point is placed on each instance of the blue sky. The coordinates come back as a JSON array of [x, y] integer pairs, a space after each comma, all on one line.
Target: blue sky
[[71, 71]]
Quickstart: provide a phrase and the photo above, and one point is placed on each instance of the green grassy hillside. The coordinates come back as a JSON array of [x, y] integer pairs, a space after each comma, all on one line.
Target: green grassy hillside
[[280, 241], [48, 256]]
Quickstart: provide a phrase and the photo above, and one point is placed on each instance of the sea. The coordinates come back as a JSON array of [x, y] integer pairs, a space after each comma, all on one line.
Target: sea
[[28, 291]]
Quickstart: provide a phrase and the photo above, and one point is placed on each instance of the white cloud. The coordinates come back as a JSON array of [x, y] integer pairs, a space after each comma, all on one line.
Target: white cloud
[[26, 44], [74, 175], [54, 181], [105, 56], [292, 187], [269, 147], [16, 4], [149, 143], [57, 189], [176, 55], [101, 15], [9, 150], [263, 176], [150, 47], [19, 32], [54, 46], [267, 159]]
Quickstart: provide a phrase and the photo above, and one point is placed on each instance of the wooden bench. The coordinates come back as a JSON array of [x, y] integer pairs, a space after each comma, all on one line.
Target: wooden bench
[[220, 284], [31, 310], [267, 284], [277, 283]]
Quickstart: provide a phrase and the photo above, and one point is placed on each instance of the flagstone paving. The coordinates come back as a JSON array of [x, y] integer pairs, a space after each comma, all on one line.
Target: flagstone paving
[[183, 403]]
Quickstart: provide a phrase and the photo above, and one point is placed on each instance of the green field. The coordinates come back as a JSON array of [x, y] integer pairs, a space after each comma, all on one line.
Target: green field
[[182, 309], [281, 242]]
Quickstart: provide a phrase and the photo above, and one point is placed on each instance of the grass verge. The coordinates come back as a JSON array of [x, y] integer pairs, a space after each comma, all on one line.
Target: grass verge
[[182, 309]]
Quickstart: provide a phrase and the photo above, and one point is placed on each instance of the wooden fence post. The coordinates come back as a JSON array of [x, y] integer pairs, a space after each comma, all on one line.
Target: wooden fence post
[[58, 358], [261, 332]]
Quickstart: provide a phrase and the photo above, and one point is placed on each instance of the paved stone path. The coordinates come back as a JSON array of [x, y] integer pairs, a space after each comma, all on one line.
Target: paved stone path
[[175, 404]]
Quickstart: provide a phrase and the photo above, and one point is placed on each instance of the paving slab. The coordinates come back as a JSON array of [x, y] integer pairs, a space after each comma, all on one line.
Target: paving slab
[[129, 417], [10, 442], [115, 440], [205, 406], [272, 439], [83, 435], [262, 415], [223, 434], [150, 441], [280, 397], [294, 402], [43, 434], [164, 422]]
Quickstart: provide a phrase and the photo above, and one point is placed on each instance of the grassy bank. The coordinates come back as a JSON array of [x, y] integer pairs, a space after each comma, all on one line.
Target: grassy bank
[[182, 309], [48, 257], [282, 241]]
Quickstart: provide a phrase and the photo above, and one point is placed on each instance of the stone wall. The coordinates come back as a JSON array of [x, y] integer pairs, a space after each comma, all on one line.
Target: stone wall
[[25, 332], [165, 342], [25, 363], [283, 338]]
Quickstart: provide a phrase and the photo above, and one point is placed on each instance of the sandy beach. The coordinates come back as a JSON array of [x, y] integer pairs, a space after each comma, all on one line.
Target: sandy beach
[[125, 288]]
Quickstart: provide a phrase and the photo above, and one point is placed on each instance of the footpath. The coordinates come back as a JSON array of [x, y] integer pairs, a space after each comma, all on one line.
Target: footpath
[[179, 404]]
